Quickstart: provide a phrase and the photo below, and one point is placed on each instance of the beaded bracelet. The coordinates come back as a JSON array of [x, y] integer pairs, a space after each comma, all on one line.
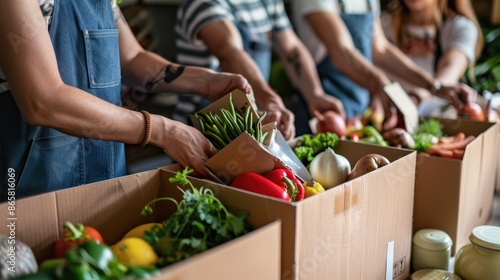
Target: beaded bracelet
[[147, 134]]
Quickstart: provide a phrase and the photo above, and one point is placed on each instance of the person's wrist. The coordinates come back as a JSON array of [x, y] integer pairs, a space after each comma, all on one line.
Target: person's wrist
[[435, 86]]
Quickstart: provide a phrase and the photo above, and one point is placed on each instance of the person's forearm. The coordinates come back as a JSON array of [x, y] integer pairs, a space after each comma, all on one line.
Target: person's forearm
[[301, 70], [393, 61], [333, 33], [84, 115], [451, 67], [152, 73], [238, 61], [355, 66]]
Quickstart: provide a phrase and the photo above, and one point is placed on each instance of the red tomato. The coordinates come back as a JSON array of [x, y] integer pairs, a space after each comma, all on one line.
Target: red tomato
[[474, 111], [331, 122], [75, 235]]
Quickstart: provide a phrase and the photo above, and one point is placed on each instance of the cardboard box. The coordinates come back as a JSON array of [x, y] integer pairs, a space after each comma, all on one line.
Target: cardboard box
[[114, 206], [361, 229], [457, 195]]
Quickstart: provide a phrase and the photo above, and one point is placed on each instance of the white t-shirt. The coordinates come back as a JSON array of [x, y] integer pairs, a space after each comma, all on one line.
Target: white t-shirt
[[458, 32], [301, 8]]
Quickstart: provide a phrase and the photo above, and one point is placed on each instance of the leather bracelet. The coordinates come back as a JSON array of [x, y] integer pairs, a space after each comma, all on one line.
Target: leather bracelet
[[147, 133]]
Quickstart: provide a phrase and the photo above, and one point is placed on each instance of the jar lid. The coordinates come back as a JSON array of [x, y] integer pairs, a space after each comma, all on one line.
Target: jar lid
[[434, 274], [432, 239], [486, 236]]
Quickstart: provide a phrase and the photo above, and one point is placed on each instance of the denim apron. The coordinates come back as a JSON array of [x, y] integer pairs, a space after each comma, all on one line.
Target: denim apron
[[255, 44], [355, 99], [85, 42]]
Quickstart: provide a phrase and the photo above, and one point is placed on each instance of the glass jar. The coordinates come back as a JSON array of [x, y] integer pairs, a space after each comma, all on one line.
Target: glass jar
[[434, 274], [480, 259], [431, 249]]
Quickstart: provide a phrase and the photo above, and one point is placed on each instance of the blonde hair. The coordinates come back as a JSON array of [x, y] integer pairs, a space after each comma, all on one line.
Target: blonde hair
[[442, 10]]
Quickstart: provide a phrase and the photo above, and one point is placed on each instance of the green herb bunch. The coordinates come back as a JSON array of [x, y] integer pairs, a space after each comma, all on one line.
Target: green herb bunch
[[200, 223]]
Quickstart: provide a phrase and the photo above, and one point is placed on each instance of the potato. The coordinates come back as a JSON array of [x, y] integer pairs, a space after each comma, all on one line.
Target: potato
[[367, 164], [398, 137]]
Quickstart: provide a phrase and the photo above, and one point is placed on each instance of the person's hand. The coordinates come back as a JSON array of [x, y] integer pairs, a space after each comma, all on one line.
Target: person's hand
[[325, 103], [384, 112], [277, 112], [457, 95], [220, 84], [187, 146]]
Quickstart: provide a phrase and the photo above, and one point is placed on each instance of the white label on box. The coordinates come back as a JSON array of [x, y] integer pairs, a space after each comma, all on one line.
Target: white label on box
[[390, 261]]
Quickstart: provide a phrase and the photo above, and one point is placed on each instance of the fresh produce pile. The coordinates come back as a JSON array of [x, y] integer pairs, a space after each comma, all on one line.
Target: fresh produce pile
[[429, 139], [199, 223], [329, 169]]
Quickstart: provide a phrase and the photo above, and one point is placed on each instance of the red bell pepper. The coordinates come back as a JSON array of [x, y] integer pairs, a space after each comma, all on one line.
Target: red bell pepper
[[287, 180], [254, 182]]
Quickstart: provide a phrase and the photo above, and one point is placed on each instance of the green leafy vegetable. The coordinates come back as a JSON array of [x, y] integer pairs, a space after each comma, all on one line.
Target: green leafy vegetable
[[427, 134], [200, 222], [430, 126], [311, 145]]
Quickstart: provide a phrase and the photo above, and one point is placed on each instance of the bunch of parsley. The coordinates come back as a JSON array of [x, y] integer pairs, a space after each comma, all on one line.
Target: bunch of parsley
[[200, 223]]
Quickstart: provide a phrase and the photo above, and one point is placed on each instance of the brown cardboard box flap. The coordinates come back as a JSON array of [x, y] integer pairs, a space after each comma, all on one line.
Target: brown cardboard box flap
[[404, 104], [241, 155]]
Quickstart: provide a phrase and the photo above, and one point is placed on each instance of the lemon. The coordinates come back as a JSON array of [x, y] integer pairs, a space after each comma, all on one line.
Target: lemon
[[138, 231], [135, 252]]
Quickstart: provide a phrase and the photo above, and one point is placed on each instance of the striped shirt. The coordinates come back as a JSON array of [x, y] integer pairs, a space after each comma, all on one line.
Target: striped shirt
[[261, 17]]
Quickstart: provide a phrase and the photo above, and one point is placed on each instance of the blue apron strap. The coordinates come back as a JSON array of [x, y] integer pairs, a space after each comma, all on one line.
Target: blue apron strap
[[83, 35], [256, 45], [355, 99]]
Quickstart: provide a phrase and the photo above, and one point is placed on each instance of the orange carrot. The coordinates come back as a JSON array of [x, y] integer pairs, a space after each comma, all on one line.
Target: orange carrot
[[458, 154], [450, 139], [440, 152], [459, 145]]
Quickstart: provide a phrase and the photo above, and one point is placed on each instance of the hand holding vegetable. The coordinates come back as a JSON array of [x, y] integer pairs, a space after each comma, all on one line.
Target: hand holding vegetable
[[73, 236], [367, 164]]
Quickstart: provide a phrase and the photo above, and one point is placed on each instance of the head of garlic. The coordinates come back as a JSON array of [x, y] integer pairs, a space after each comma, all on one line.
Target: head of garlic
[[329, 168]]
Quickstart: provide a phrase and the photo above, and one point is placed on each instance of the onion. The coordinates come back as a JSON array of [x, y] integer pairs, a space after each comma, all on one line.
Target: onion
[[330, 121], [329, 169]]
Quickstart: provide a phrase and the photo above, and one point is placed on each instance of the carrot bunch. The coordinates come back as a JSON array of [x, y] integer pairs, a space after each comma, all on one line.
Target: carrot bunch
[[451, 146]]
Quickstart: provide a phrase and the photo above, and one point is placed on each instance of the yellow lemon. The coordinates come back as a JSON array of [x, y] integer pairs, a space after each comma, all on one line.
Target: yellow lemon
[[138, 231], [134, 251]]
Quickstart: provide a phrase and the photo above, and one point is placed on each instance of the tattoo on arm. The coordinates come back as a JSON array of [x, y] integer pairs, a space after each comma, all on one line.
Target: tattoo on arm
[[170, 74], [294, 60]]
